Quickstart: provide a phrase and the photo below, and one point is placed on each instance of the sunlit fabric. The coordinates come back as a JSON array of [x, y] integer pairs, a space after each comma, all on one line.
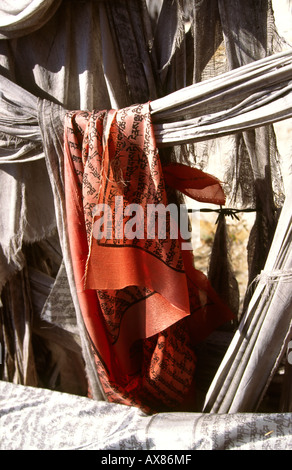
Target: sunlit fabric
[[144, 304]]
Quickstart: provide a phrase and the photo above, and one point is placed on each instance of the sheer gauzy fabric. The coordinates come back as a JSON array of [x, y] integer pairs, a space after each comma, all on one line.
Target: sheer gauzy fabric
[[144, 305], [50, 119], [25, 17], [264, 332], [21, 142], [54, 60]]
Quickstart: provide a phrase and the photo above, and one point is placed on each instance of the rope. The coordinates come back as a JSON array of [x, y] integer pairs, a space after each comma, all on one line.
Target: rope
[[224, 212]]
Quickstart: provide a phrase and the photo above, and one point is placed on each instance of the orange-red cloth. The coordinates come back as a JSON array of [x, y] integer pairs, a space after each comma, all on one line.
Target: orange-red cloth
[[144, 304]]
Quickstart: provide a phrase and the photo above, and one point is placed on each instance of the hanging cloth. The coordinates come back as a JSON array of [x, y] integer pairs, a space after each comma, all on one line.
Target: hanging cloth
[[262, 338], [144, 304]]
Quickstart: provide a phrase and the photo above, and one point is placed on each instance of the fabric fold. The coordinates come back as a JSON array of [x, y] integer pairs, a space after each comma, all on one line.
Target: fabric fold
[[51, 122], [136, 286], [25, 17], [194, 183]]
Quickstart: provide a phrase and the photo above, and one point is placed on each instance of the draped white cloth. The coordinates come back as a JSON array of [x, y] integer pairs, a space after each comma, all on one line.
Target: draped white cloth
[[247, 97], [261, 340], [59, 65], [24, 16], [38, 419]]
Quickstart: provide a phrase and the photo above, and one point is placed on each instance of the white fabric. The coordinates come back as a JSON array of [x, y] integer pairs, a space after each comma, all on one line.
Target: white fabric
[[51, 126], [261, 340], [249, 96], [260, 93], [24, 16], [39, 419], [25, 188]]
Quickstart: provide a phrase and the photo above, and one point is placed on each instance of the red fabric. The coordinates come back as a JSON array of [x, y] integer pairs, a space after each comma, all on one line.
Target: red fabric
[[144, 304], [194, 183]]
